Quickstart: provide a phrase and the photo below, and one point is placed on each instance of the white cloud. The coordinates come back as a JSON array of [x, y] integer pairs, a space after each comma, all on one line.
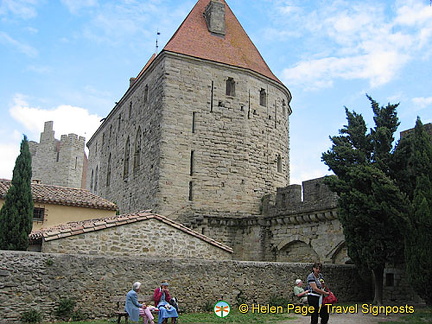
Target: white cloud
[[413, 12], [39, 69], [19, 46], [74, 6], [359, 41], [422, 102], [378, 67], [67, 119], [24, 9], [9, 152], [112, 21]]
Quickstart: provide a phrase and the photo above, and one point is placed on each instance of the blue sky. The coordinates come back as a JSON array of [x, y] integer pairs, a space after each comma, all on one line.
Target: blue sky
[[70, 60]]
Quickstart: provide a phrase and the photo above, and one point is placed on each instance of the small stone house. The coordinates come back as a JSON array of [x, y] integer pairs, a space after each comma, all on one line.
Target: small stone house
[[54, 205], [142, 233]]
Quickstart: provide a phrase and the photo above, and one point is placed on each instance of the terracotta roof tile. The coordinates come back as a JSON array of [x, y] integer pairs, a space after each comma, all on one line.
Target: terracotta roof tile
[[234, 48], [56, 195], [146, 66], [92, 225]]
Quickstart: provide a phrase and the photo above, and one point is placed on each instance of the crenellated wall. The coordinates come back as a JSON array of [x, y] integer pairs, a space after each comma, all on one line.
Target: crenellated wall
[[59, 162], [298, 224]]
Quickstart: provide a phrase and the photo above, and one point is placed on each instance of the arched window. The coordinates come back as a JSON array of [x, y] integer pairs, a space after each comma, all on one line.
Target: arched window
[[108, 178], [190, 195], [192, 162], [146, 93], [96, 179], [284, 107], [130, 110], [91, 181], [230, 87], [279, 163], [137, 150], [126, 159], [263, 98]]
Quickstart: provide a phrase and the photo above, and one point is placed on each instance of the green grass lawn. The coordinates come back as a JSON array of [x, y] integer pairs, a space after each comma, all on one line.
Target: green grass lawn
[[194, 318], [420, 316]]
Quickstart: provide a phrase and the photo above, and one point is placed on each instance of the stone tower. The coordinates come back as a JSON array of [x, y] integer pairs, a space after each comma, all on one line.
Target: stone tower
[[59, 162], [202, 130]]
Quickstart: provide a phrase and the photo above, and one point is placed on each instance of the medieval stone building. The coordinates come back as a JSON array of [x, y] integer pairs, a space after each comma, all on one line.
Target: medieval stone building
[[202, 137], [59, 162], [202, 130]]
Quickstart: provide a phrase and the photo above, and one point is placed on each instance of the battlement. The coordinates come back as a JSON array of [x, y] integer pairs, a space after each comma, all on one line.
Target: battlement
[[58, 162], [72, 140], [311, 195]]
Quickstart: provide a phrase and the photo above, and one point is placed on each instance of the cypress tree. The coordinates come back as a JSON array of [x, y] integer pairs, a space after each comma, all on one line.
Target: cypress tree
[[16, 215], [371, 206], [413, 170]]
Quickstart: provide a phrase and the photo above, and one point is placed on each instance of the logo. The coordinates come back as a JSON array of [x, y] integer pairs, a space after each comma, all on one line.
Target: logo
[[221, 309]]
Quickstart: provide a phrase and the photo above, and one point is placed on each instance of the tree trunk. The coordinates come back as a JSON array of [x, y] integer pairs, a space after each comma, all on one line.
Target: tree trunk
[[378, 278]]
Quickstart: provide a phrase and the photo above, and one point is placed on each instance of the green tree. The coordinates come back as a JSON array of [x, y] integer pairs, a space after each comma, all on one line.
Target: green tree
[[16, 215], [371, 205], [413, 170]]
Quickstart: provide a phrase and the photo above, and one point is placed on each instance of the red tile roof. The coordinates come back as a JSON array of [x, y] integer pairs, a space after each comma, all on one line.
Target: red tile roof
[[92, 225], [150, 61], [56, 195], [234, 48]]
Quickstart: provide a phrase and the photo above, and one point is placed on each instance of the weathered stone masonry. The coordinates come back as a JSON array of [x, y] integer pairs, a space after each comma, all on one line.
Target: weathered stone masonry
[[142, 234], [193, 134], [59, 162], [290, 228], [94, 280]]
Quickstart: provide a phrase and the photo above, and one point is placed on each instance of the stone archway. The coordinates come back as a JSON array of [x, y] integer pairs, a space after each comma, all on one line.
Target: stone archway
[[296, 251], [339, 254]]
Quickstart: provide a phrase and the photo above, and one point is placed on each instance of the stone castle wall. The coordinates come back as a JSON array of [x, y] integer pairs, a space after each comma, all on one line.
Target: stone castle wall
[[200, 150], [40, 280], [124, 153], [58, 162], [298, 224]]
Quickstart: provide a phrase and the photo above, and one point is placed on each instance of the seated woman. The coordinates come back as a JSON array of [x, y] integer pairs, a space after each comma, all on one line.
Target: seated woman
[[134, 308], [300, 292], [162, 300]]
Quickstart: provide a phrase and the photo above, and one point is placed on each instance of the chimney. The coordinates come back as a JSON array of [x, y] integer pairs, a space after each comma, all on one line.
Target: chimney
[[215, 17]]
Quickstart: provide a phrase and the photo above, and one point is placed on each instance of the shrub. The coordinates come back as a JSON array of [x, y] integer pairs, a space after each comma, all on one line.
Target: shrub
[[65, 308], [279, 301], [31, 316]]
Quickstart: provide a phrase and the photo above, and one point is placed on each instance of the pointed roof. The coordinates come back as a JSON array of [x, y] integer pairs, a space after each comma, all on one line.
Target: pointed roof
[[234, 48]]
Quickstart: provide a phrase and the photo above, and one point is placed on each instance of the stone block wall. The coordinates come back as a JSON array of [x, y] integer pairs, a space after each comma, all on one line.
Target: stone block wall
[[149, 238], [222, 149], [200, 150], [40, 280], [124, 154], [298, 224]]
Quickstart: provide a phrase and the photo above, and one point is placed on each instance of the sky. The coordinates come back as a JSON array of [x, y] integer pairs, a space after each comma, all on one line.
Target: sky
[[69, 61]]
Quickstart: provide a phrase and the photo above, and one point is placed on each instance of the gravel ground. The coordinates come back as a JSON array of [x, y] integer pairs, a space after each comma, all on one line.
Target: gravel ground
[[356, 318]]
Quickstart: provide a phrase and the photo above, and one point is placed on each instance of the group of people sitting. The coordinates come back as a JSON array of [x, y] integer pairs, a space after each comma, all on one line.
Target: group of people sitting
[[163, 303]]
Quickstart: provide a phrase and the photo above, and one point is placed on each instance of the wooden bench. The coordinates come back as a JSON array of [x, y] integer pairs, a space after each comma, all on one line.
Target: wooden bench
[[119, 310]]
